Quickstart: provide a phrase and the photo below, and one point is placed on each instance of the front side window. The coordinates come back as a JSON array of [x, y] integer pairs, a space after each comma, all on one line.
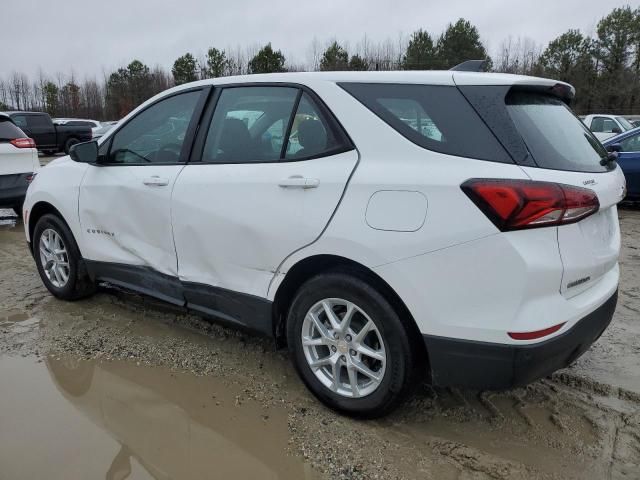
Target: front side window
[[249, 124], [157, 134], [631, 144]]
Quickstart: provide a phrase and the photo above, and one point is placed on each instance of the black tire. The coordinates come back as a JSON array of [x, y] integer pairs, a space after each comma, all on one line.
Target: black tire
[[402, 355], [79, 284], [69, 143]]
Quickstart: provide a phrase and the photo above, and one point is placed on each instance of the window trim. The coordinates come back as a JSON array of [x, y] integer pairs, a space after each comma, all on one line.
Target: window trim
[[189, 136], [334, 122]]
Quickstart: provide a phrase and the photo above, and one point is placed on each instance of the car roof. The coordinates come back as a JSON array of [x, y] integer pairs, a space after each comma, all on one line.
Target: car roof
[[427, 77], [424, 77]]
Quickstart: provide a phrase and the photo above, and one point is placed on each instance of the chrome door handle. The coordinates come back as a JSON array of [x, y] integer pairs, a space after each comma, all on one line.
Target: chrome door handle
[[156, 181], [298, 181]]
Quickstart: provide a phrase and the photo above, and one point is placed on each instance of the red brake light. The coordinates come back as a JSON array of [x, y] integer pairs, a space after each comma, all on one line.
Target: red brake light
[[536, 334], [23, 143], [518, 204]]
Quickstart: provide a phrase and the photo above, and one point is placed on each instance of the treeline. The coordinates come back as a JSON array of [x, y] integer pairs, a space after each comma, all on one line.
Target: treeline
[[604, 68]]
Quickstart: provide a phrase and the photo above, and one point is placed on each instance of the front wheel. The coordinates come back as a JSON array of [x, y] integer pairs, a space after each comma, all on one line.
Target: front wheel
[[350, 347], [68, 144], [58, 259]]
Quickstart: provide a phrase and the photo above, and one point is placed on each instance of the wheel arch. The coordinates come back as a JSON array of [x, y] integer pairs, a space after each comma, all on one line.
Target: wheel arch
[[38, 210], [311, 266]]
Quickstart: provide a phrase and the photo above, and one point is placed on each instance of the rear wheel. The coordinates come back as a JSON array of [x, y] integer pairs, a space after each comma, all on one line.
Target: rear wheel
[[349, 345], [58, 259]]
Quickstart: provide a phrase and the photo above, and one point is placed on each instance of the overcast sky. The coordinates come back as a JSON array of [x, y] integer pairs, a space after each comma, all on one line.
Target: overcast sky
[[90, 36]]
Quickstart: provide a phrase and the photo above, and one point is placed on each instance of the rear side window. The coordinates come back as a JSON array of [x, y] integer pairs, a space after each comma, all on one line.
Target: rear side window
[[8, 131], [249, 124], [436, 117], [554, 136], [631, 144], [312, 134]]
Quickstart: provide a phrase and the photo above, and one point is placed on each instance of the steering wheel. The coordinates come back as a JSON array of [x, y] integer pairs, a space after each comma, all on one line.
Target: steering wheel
[[173, 149]]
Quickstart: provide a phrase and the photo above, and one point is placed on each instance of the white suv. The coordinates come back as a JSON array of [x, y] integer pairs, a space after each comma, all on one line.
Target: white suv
[[381, 224], [18, 164]]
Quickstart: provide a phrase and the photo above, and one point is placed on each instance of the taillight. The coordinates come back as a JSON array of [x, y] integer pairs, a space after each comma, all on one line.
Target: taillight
[[518, 204], [23, 143]]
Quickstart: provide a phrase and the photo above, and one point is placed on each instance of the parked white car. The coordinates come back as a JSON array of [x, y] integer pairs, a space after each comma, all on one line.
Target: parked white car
[[452, 223], [607, 126], [79, 122], [18, 164]]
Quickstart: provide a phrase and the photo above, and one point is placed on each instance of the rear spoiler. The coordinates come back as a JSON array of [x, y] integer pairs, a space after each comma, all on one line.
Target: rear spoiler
[[470, 66]]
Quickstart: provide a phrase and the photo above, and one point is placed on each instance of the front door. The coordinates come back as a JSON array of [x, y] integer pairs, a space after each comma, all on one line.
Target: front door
[[125, 200]]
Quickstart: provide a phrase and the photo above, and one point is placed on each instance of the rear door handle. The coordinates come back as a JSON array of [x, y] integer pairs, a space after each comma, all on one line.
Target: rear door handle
[[298, 181], [156, 181]]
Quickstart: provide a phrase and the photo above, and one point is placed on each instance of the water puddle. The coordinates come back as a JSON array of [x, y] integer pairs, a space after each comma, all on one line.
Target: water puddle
[[67, 418]]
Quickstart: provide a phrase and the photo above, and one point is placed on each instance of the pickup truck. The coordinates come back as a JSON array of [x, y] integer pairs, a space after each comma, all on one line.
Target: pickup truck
[[49, 138], [606, 126]]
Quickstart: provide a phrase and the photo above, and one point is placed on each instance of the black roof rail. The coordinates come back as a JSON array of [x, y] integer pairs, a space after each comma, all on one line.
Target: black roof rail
[[470, 66]]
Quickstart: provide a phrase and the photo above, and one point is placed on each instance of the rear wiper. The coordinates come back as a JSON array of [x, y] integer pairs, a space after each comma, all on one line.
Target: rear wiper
[[610, 159]]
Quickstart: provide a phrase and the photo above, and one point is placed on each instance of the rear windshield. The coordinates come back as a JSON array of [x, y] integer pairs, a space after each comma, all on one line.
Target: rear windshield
[[436, 117], [8, 131], [554, 136]]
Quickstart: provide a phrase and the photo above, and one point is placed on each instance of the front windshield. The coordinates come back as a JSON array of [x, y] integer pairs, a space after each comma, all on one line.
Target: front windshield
[[626, 124]]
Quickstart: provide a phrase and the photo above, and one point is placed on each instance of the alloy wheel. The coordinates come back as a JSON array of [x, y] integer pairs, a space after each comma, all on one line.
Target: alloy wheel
[[54, 258], [343, 347]]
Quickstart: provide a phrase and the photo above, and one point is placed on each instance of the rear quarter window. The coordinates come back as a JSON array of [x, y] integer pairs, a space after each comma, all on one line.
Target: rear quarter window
[[435, 117]]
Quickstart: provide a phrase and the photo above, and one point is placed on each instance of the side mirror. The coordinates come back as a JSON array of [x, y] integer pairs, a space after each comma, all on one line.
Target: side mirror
[[614, 147], [86, 152], [616, 130]]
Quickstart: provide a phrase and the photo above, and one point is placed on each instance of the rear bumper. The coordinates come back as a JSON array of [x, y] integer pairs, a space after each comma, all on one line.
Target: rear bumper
[[483, 365], [13, 189]]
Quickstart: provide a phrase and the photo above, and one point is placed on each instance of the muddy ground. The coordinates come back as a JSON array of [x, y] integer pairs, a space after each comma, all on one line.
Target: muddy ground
[[120, 386]]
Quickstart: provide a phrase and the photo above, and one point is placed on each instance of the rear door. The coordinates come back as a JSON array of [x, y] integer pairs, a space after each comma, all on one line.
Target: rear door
[[266, 176], [564, 151]]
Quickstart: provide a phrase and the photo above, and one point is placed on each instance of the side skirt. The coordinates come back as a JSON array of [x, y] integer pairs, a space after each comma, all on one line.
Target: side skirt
[[228, 307]]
